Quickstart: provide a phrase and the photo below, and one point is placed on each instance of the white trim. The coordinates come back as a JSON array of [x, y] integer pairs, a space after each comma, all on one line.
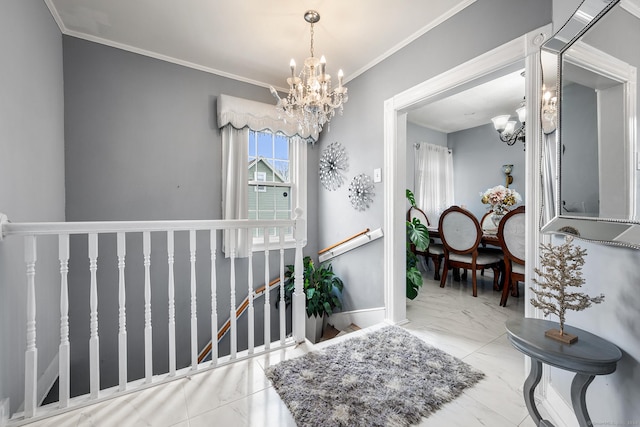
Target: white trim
[[64, 30], [526, 47], [4, 412], [431, 25], [599, 62], [631, 6], [361, 318], [395, 152]]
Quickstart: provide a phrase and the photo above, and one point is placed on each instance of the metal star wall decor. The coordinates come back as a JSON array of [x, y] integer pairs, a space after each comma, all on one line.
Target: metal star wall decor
[[361, 192], [333, 163]]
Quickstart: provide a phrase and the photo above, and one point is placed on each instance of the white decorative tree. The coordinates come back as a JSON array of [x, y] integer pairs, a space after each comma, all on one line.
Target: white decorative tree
[[561, 270]]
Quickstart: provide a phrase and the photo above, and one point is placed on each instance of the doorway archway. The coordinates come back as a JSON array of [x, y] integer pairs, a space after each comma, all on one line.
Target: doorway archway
[[526, 47]]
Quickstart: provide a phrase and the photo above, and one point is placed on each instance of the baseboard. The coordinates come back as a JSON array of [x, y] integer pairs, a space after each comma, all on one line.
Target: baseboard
[[361, 318], [558, 409]]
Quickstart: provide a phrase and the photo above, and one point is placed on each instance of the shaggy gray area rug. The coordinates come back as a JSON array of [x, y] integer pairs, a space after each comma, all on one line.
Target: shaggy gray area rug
[[388, 377]]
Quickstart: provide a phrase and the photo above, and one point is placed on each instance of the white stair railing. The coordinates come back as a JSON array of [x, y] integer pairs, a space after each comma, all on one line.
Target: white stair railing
[[95, 231]]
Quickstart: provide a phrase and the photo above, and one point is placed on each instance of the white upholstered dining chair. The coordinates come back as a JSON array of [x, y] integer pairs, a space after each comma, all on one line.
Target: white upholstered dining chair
[[461, 235], [511, 236]]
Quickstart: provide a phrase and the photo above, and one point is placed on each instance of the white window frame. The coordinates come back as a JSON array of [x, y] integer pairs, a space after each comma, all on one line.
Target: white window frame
[[298, 184]]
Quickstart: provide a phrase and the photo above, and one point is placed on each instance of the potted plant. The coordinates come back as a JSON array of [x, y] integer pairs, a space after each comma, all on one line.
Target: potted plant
[[322, 289], [418, 236]]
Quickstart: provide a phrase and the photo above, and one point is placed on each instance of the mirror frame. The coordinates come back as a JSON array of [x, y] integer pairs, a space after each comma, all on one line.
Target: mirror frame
[[566, 44]]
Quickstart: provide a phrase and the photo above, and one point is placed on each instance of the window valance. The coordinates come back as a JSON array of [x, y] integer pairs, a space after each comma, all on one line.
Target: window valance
[[258, 116]]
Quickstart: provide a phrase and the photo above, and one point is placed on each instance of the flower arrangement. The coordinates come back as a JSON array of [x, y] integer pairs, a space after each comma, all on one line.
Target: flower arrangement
[[500, 197]]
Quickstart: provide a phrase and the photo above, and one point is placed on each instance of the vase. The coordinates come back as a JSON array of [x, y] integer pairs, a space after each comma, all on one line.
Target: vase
[[496, 217], [314, 327]]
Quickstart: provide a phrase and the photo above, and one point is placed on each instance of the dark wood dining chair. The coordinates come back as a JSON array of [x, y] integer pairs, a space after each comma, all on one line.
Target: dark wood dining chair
[[435, 251], [511, 236], [461, 235]]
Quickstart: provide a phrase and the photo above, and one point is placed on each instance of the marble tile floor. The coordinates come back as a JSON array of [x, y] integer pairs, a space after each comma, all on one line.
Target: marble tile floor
[[471, 329]]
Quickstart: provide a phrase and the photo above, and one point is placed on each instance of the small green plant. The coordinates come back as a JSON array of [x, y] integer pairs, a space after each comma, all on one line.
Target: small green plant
[[418, 236], [322, 287]]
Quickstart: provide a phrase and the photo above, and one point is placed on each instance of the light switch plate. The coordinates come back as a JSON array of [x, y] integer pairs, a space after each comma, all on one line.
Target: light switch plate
[[377, 175]]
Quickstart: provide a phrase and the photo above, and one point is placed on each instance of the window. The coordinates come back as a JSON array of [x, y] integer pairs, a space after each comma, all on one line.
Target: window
[[260, 177], [273, 160], [266, 169]]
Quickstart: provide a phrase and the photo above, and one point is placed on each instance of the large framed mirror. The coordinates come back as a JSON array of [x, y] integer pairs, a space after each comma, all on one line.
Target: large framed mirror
[[590, 160]]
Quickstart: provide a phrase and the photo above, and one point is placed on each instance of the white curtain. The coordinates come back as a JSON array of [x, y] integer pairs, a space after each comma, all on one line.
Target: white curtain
[[433, 180], [235, 155], [235, 117]]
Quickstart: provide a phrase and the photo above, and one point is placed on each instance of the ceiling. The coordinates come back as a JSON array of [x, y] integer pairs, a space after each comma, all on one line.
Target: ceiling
[[474, 106], [254, 40]]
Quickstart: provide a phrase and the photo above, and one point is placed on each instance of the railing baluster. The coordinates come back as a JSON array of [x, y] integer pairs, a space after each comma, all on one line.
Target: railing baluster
[[62, 231], [63, 350], [298, 300], [122, 313], [31, 354], [148, 329], [172, 305], [194, 306], [94, 340], [214, 298], [282, 305], [232, 284], [267, 303], [250, 313]]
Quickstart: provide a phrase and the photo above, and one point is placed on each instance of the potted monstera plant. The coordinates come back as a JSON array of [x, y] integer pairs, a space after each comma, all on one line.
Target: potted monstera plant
[[418, 237], [322, 289]]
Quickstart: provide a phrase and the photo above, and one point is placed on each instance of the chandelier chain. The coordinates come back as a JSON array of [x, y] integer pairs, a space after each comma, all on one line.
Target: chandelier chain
[[312, 39]]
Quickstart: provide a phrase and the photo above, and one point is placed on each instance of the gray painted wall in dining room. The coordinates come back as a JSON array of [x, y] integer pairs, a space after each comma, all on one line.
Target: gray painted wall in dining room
[[478, 156]]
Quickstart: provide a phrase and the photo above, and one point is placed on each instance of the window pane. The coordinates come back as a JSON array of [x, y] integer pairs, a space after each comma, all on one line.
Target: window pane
[[281, 147], [282, 169], [265, 144], [269, 161]]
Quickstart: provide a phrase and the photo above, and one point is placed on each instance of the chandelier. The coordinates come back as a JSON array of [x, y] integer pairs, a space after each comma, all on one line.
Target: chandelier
[[311, 101], [507, 128]]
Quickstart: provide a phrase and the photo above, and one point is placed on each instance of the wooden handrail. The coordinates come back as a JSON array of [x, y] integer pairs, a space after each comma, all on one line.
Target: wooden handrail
[[343, 241], [239, 312]]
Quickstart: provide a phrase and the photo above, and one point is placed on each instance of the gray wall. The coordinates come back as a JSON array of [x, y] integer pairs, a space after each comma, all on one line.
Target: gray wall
[[478, 156], [32, 178], [611, 399], [579, 186], [477, 29], [142, 143]]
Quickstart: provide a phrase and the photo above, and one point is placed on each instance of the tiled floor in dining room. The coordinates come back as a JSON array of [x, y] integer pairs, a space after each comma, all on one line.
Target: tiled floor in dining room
[[471, 329]]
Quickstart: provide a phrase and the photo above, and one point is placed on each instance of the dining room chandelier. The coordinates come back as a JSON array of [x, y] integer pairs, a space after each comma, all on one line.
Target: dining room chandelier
[[311, 101], [507, 127]]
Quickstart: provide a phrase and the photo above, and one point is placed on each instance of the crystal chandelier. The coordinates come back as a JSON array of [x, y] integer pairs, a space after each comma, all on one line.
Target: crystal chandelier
[[311, 101], [507, 128]]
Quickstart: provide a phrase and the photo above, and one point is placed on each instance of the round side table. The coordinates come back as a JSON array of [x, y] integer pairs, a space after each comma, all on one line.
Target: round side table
[[588, 357]]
